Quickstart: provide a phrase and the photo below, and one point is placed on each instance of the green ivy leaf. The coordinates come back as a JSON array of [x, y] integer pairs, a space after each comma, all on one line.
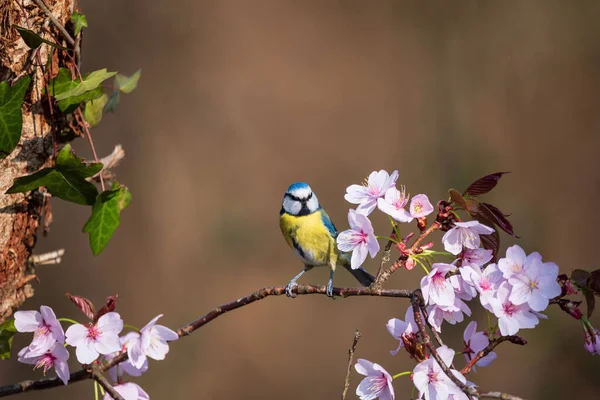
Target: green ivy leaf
[[106, 216], [7, 333], [63, 83], [65, 181], [90, 82], [11, 118], [127, 84], [79, 22], [93, 110], [33, 40], [113, 102]]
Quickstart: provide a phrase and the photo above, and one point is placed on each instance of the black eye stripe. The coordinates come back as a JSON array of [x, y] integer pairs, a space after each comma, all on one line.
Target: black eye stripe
[[291, 196]]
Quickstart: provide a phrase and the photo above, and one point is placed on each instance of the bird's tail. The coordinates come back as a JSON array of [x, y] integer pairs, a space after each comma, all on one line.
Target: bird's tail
[[360, 273]]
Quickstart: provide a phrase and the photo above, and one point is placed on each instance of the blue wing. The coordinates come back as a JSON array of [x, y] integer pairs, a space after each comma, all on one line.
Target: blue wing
[[328, 224]]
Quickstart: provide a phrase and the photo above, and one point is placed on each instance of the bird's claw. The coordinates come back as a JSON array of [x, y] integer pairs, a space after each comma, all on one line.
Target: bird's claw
[[329, 290], [289, 289]]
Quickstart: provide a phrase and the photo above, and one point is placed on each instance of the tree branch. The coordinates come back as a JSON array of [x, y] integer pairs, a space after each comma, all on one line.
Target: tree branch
[[350, 359], [488, 349], [499, 395], [185, 330], [102, 381], [384, 276], [416, 300]]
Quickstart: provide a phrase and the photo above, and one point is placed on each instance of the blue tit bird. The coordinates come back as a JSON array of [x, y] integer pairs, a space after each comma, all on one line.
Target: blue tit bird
[[309, 231]]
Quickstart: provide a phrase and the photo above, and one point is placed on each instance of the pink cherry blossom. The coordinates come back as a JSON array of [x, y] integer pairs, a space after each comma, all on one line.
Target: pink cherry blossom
[[486, 282], [56, 357], [474, 343], [452, 314], [129, 391], [436, 288], [151, 343], [366, 196], [465, 234], [45, 327], [536, 284], [420, 206], [94, 339], [377, 383], [403, 330], [511, 317], [359, 239], [393, 204], [432, 382], [126, 367], [477, 257], [515, 261]]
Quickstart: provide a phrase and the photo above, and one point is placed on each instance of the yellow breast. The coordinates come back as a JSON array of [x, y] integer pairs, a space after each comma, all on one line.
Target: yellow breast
[[310, 238]]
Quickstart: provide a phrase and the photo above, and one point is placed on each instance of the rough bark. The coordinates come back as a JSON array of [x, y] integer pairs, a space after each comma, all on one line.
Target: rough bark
[[22, 214]]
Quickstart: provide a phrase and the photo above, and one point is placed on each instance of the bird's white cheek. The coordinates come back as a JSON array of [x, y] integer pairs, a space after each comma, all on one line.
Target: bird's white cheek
[[292, 207]]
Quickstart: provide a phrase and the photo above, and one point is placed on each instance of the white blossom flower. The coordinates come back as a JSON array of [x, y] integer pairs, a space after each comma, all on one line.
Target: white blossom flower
[[465, 234], [95, 339], [129, 391], [151, 343], [432, 382], [45, 327], [377, 383], [366, 196]]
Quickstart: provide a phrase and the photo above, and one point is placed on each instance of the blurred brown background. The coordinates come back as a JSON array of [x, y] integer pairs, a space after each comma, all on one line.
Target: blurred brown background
[[239, 99]]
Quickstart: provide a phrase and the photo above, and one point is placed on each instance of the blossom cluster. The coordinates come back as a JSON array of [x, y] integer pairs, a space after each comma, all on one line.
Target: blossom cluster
[[379, 192], [91, 340], [515, 289]]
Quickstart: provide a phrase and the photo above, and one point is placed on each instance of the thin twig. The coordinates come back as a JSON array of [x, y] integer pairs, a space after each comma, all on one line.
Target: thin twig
[[102, 381], [386, 274], [490, 347], [435, 333], [56, 23], [89, 136], [350, 359], [498, 395], [185, 330], [415, 300], [385, 257]]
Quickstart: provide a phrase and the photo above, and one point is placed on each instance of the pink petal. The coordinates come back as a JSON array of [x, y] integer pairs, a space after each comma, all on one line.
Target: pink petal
[[470, 331], [28, 321], [62, 370], [363, 367], [396, 327], [75, 334], [355, 194], [85, 353], [166, 333], [108, 343], [110, 323], [359, 255], [451, 241], [136, 354]]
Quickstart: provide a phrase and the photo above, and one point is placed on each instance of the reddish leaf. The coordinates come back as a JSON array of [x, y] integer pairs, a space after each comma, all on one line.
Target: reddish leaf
[[111, 303], [472, 207], [457, 198], [84, 305], [594, 282], [483, 185], [498, 217], [580, 277]]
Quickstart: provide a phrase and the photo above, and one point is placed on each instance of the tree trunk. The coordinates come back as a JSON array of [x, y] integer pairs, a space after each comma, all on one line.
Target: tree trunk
[[21, 215]]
